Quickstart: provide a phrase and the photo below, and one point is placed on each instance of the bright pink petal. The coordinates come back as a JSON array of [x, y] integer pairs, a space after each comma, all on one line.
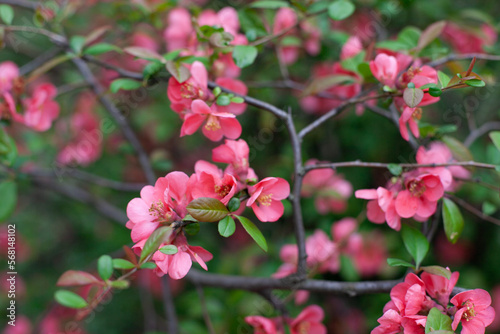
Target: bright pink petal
[[366, 194], [180, 265], [191, 123], [269, 213], [231, 127], [406, 204]]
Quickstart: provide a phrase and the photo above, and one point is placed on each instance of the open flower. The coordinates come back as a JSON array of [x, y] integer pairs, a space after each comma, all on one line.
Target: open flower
[[473, 311], [212, 182], [309, 321], [41, 109], [265, 198], [215, 124], [420, 197], [181, 95]]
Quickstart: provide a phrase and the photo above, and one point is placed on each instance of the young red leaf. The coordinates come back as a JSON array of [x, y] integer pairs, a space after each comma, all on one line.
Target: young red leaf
[[77, 278]]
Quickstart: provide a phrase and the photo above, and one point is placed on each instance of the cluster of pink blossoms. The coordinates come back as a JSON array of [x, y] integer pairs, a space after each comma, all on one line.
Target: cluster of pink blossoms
[[412, 300], [307, 322], [414, 194], [330, 190], [40, 109], [166, 202], [323, 254]]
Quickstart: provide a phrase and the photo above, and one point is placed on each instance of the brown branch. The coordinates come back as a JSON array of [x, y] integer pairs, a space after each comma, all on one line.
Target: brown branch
[[464, 56], [472, 209], [482, 130], [22, 4]]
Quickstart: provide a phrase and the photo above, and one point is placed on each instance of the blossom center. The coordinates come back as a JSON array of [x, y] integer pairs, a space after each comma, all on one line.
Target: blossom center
[[417, 188], [161, 214], [212, 123], [470, 313], [417, 114], [265, 199], [222, 190], [303, 328]]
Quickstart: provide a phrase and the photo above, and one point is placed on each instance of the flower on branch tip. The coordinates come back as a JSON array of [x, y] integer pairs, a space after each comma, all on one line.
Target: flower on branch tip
[[265, 198], [473, 310], [41, 109], [181, 95], [209, 181], [216, 125], [420, 196]]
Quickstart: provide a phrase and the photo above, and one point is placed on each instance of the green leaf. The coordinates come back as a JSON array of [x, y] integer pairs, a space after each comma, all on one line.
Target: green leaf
[[234, 204], [6, 14], [8, 149], [348, 271], [172, 54], [457, 148], [122, 264], [192, 229], [98, 49], [223, 100], [437, 321], [244, 55], [70, 299], [392, 45], [77, 42], [169, 249], [105, 267], [409, 36], [437, 270], [475, 83], [495, 138], [416, 243], [206, 209], [148, 265], [352, 63], [216, 91], [8, 191], [444, 79], [413, 96], [120, 284], [271, 4], [154, 241], [77, 278], [178, 71], [144, 53], [489, 208], [399, 263], [254, 232], [395, 169], [227, 226], [436, 92], [341, 9], [151, 69], [125, 84], [237, 99], [452, 220], [430, 34]]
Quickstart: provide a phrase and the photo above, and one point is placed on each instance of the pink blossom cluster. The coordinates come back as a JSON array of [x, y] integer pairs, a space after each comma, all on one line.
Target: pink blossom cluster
[[390, 68], [166, 202], [367, 252], [470, 40], [85, 144], [330, 190], [40, 109], [415, 193], [196, 106], [411, 301], [307, 322]]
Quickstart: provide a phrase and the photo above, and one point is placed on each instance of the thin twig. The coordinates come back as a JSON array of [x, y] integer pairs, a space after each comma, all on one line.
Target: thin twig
[[482, 130], [39, 61], [206, 315], [472, 209], [55, 38], [169, 306], [22, 4], [451, 57]]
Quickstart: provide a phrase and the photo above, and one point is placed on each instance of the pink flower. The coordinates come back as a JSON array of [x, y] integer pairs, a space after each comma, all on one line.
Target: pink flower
[[402, 59], [265, 198], [439, 287], [41, 109], [312, 37], [212, 182], [309, 321], [439, 153], [352, 47], [408, 118], [178, 192], [235, 153], [263, 325], [149, 211], [473, 311], [285, 19], [8, 73], [177, 265], [381, 207], [420, 197], [181, 95], [236, 86], [179, 29], [469, 40], [331, 191], [385, 69], [216, 124], [22, 326]]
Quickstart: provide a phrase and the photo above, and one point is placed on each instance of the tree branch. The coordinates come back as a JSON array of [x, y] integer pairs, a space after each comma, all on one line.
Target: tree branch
[[483, 129], [472, 209], [451, 57]]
